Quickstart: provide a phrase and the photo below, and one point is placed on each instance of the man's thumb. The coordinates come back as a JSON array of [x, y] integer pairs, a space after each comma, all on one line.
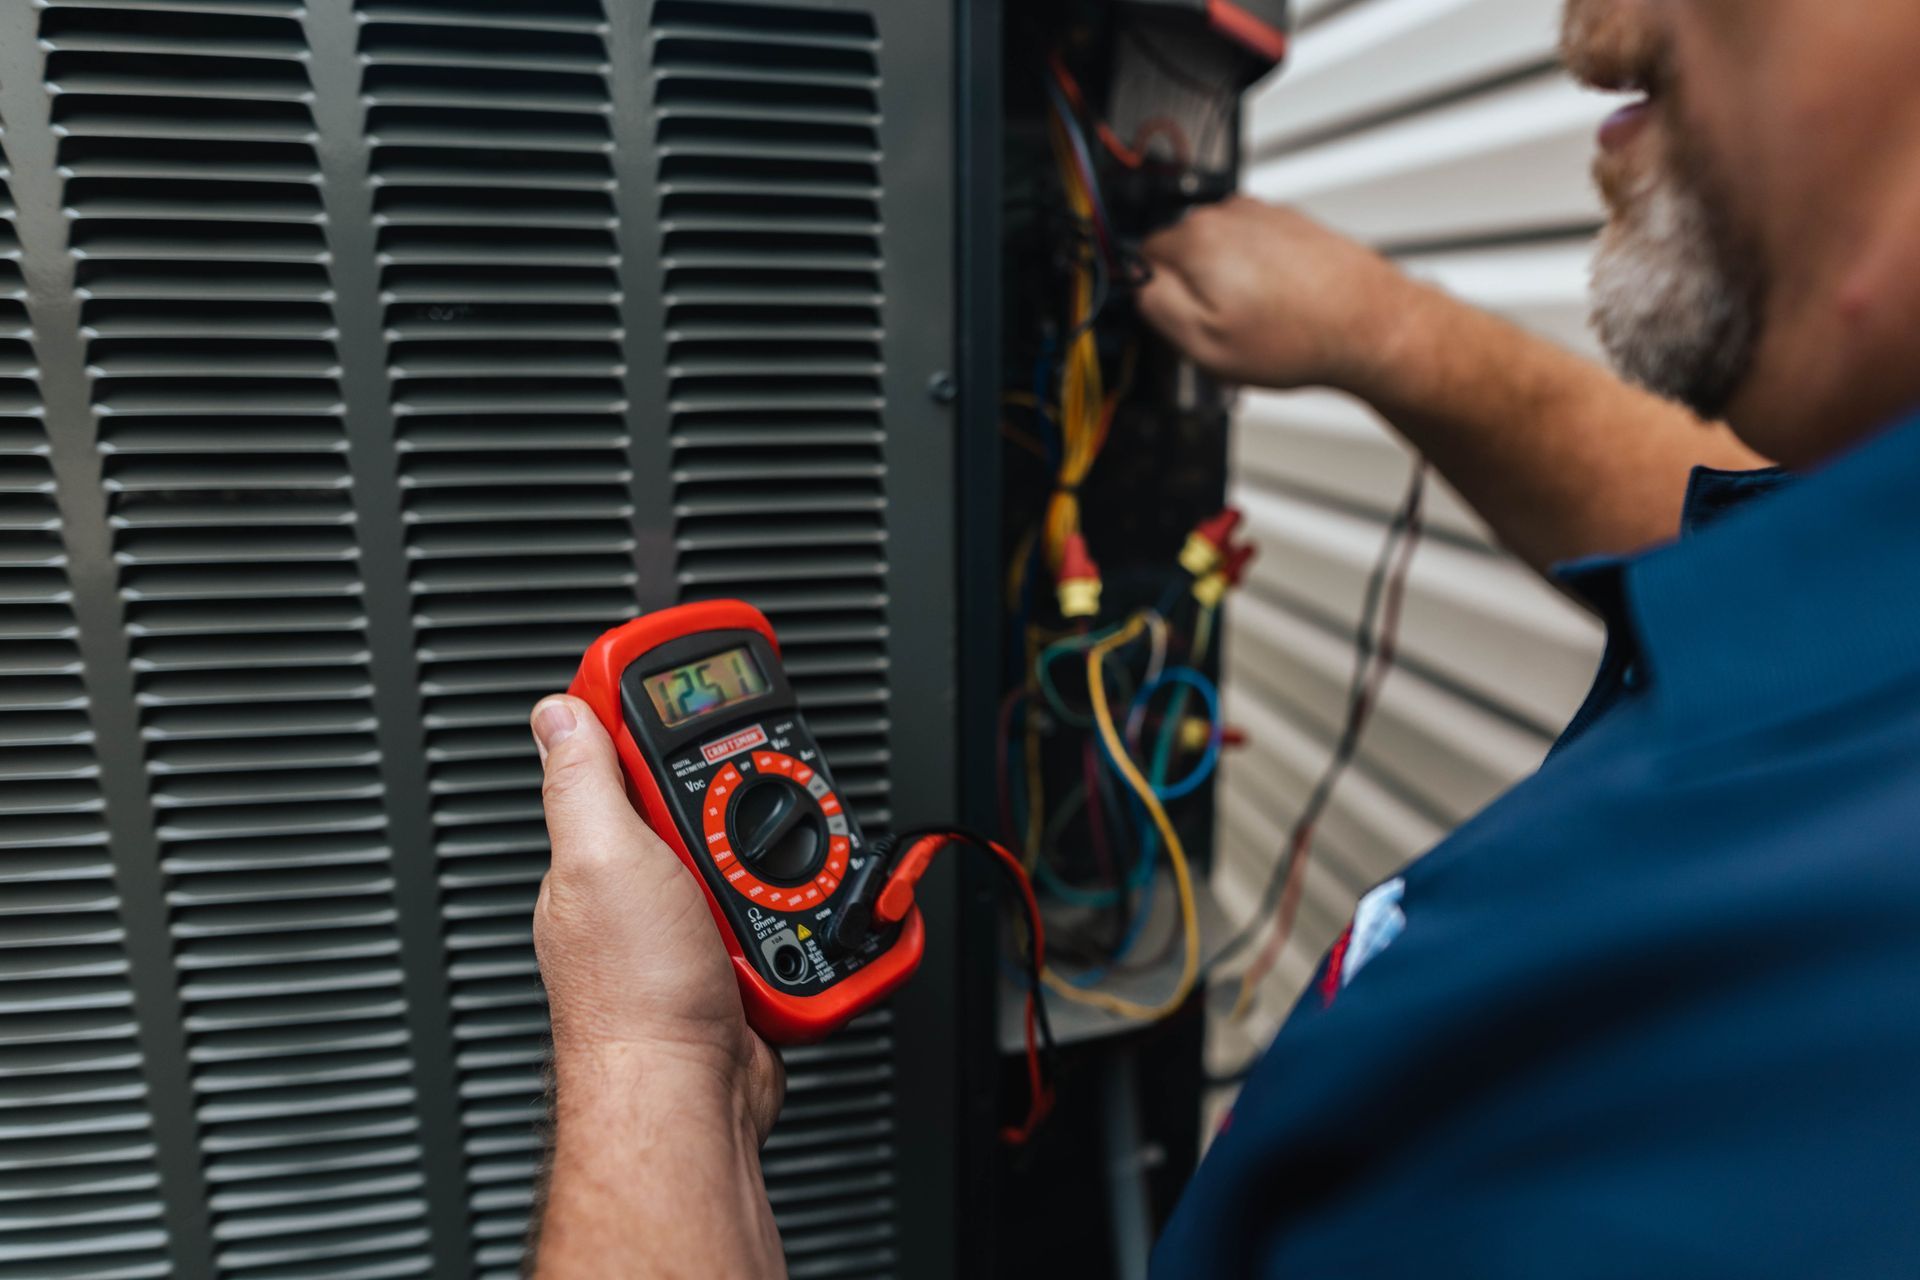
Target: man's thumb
[[588, 815]]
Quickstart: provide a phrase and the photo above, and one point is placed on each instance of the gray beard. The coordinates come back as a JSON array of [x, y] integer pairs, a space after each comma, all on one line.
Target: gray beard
[[1677, 303]]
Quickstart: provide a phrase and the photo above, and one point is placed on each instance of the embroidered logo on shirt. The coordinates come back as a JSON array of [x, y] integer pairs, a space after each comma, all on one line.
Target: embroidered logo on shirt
[[1377, 921]]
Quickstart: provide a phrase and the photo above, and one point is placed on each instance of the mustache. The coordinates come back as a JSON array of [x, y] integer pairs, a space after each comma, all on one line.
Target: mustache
[[1614, 45]]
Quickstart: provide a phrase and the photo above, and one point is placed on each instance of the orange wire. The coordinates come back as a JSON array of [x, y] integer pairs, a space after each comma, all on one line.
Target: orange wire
[[1120, 151]]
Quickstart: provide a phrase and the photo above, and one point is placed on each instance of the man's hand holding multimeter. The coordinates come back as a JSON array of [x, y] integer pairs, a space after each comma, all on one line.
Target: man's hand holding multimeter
[[720, 764], [694, 711]]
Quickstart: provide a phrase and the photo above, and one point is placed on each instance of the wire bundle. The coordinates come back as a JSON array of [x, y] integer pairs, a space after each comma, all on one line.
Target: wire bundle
[[1086, 411], [1118, 780], [1375, 648], [1123, 762]]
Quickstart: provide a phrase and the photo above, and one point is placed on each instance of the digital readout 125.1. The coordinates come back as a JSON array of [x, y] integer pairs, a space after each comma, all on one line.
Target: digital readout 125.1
[[699, 687]]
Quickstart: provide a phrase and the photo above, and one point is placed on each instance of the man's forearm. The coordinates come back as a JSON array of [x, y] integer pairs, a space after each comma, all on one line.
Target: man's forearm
[[656, 1172], [1558, 455]]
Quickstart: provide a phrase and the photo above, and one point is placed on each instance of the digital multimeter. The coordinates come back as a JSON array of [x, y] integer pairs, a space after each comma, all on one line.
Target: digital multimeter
[[720, 764]]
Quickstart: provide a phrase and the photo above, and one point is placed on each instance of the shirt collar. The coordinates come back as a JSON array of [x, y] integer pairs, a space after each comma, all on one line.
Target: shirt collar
[[1714, 495], [1600, 581], [1779, 607]]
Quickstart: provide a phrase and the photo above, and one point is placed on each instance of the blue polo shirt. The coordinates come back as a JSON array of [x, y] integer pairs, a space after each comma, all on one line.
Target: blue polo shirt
[[1655, 1012]]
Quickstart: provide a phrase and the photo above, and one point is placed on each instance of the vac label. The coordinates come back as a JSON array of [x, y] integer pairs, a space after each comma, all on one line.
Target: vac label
[[734, 744]]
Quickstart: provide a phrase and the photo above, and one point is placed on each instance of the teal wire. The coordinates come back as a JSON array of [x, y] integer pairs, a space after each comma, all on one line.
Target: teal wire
[[1043, 669]]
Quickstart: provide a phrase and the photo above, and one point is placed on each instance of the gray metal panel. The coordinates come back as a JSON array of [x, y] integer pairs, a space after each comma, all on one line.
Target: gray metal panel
[[79, 1181], [381, 354]]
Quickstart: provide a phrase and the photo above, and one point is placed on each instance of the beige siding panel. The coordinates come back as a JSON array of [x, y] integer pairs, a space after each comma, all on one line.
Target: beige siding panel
[[1515, 161], [1542, 287], [1485, 623], [1430, 127], [1333, 446], [1450, 755], [1381, 57]]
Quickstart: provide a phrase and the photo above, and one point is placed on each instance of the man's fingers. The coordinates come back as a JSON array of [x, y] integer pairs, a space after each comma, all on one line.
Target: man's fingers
[[1165, 249], [589, 818], [1168, 304]]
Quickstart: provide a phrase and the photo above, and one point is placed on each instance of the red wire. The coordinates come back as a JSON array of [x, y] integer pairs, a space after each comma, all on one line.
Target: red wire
[[1039, 1093]]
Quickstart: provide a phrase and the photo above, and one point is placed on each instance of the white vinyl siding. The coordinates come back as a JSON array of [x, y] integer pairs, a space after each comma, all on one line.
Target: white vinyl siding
[[1440, 131]]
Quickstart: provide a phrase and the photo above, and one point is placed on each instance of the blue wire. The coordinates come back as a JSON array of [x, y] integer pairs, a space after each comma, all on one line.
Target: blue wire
[[1191, 679], [1143, 879], [1079, 145]]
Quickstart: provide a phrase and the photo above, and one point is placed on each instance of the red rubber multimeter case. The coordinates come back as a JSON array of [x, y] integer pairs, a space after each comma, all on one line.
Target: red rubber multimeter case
[[720, 764]]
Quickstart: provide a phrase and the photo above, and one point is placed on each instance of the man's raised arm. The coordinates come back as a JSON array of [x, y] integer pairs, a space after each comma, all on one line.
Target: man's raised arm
[[1559, 456]]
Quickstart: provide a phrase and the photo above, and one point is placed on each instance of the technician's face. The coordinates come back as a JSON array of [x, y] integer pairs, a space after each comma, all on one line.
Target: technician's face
[[1679, 291], [1741, 188]]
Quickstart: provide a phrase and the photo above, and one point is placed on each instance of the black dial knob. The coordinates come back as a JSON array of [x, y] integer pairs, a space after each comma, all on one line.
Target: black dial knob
[[778, 830]]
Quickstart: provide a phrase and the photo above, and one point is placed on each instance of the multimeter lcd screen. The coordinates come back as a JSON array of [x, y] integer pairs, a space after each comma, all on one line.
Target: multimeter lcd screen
[[686, 693]]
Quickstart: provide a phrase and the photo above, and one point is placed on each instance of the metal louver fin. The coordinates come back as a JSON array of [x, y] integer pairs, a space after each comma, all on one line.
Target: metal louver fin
[[500, 271], [196, 213], [79, 1184], [774, 323]]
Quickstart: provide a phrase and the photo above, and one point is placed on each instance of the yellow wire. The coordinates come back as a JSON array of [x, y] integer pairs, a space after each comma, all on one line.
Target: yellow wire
[[1176, 852], [1081, 398]]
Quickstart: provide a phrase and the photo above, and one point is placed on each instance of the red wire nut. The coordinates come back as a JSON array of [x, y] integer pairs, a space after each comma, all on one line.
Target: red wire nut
[[1078, 580], [1207, 544], [1229, 573]]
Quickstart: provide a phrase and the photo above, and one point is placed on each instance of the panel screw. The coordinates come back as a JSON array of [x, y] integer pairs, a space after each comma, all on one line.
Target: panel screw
[[943, 388]]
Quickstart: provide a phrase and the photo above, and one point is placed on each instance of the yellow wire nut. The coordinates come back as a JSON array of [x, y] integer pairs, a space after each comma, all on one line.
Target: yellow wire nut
[[1200, 556], [1195, 733], [1176, 853], [1211, 589], [1079, 598]]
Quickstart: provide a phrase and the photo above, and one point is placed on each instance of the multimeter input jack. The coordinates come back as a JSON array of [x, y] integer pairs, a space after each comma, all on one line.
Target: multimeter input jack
[[789, 964], [784, 957]]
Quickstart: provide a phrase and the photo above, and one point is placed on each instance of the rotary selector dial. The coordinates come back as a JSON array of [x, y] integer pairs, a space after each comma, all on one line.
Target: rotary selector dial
[[777, 832]]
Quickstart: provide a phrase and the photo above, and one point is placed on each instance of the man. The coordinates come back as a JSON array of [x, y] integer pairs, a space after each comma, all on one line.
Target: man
[[1651, 1013]]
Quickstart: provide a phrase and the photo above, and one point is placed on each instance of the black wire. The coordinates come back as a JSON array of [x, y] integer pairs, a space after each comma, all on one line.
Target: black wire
[[966, 835], [1365, 645]]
